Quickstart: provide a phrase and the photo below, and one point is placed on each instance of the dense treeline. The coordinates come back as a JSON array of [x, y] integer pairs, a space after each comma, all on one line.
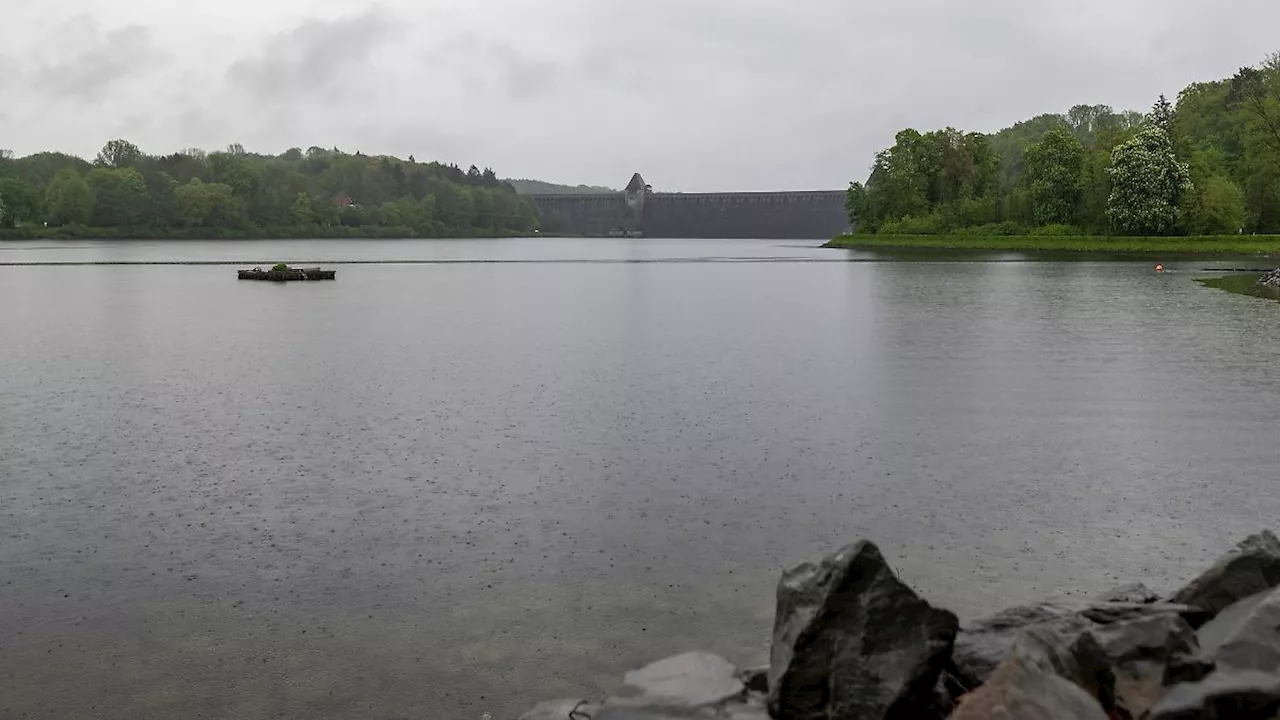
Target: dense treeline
[[525, 186], [1209, 165], [316, 192]]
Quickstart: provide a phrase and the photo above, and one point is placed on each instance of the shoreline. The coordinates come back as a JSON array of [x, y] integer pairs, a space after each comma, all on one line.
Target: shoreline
[[851, 640], [367, 232], [1204, 246]]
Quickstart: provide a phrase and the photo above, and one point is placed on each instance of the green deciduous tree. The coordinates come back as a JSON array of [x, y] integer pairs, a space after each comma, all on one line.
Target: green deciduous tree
[[300, 212], [1133, 168], [1054, 167], [162, 200], [23, 202], [210, 204], [1147, 185], [118, 154], [120, 196], [1216, 206], [325, 211], [69, 199], [236, 190]]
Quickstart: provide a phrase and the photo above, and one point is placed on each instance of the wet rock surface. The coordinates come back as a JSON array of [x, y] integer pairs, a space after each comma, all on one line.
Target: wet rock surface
[[1253, 643], [691, 680], [1137, 656], [853, 642], [1242, 695], [1252, 567], [1131, 593], [1022, 688], [982, 645]]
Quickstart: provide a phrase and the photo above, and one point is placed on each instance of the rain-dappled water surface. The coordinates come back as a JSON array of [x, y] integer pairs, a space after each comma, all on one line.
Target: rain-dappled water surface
[[435, 491]]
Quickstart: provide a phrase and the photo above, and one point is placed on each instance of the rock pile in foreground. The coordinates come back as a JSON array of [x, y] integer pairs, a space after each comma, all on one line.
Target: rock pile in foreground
[[852, 642], [1271, 280]]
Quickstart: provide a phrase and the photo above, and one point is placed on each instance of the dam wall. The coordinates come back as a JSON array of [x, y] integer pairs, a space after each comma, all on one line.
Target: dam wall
[[806, 214], [803, 215]]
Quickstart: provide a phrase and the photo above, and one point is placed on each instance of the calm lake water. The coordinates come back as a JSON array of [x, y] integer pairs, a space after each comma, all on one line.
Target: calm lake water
[[439, 490]]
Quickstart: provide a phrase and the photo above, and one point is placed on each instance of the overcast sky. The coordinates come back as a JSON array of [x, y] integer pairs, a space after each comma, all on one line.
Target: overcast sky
[[697, 95]]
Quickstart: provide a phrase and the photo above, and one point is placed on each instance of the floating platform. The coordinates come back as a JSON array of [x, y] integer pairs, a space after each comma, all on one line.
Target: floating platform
[[288, 274]]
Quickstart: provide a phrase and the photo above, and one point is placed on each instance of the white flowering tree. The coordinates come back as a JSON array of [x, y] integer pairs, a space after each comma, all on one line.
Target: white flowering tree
[[1162, 114], [1147, 184]]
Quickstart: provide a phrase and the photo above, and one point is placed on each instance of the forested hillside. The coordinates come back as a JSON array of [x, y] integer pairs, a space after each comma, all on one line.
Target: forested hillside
[[1208, 165], [317, 192], [525, 186]]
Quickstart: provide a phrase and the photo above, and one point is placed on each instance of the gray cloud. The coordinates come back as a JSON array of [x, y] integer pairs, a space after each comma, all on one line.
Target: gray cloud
[[318, 61], [93, 71], [719, 94]]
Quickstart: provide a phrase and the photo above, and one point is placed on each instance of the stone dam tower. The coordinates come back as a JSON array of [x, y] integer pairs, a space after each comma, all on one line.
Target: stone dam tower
[[637, 210]]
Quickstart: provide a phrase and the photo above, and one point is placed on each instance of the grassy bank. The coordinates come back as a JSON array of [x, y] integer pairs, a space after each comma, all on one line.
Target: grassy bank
[[1157, 246]]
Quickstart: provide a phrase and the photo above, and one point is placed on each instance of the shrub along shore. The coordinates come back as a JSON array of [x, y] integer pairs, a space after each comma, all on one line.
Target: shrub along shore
[[1222, 245]]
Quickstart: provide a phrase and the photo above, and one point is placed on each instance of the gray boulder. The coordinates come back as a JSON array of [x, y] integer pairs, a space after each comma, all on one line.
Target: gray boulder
[[1026, 686], [1228, 623], [756, 679], [1131, 593], [982, 645], [692, 685], [1123, 663], [684, 682], [1246, 636], [1242, 644], [1231, 695], [1138, 656], [852, 642], [1250, 568], [1108, 613]]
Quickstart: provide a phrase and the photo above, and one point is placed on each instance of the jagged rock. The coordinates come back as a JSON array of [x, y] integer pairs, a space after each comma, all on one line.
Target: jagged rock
[[1186, 669], [1245, 636], [982, 645], [1243, 645], [946, 694], [1108, 613], [683, 682], [1218, 630], [852, 642], [756, 679], [1250, 568], [1023, 687], [1131, 593], [1073, 655], [560, 709], [1229, 695], [1138, 655], [1122, 662]]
